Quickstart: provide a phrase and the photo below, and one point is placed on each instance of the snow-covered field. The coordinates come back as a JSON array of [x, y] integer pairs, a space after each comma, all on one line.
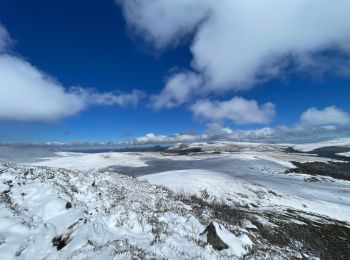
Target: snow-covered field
[[250, 166], [64, 207], [91, 161]]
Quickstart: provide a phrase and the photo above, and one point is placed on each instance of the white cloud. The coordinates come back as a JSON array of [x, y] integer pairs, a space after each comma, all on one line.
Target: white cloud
[[266, 134], [164, 22], [216, 131], [164, 139], [328, 116], [28, 94], [238, 43], [237, 109], [177, 90], [314, 125]]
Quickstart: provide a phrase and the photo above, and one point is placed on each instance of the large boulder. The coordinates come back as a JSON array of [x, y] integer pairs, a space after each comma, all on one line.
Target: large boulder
[[220, 238], [213, 237]]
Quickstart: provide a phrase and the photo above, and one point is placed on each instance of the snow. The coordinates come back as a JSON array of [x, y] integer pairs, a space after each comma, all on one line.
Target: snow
[[329, 199], [268, 156], [112, 216], [345, 154], [96, 161], [272, 152], [92, 161], [115, 216], [239, 150], [312, 146], [237, 245], [3, 187]]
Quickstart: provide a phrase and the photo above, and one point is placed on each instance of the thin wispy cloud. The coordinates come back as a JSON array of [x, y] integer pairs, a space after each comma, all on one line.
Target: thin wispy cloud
[[4, 38]]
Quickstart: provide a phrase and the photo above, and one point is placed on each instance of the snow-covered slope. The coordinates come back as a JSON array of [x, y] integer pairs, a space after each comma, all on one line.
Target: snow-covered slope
[[50, 213], [66, 207], [312, 146], [94, 216], [234, 190]]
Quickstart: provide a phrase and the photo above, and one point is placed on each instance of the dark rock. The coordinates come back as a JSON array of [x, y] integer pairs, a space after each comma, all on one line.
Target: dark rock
[[60, 242], [69, 205], [213, 238]]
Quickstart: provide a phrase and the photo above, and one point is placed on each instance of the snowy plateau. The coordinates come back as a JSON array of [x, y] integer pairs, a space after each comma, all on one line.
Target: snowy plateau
[[219, 200]]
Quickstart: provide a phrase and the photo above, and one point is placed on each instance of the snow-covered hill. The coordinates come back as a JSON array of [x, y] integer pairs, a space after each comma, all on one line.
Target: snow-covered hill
[[51, 213], [232, 191], [312, 146], [59, 214]]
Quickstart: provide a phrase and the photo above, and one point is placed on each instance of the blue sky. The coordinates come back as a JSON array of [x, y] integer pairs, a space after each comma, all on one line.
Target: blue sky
[[101, 47]]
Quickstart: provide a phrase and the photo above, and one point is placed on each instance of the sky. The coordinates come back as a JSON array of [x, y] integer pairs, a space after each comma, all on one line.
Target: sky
[[163, 70]]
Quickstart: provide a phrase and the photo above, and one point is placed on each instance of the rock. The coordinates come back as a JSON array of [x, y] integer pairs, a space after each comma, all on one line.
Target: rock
[[213, 238], [68, 205], [60, 242]]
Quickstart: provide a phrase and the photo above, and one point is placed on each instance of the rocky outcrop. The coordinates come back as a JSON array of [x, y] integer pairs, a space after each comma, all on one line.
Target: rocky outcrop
[[213, 237]]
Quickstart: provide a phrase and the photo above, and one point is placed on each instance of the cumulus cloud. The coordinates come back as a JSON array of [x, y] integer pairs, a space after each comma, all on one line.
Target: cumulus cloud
[[177, 90], [314, 125], [164, 139], [164, 23], [237, 109], [266, 134], [327, 116], [237, 44], [216, 131], [28, 94]]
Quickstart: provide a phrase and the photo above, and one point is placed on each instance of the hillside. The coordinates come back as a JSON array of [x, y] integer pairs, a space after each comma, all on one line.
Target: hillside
[[55, 213]]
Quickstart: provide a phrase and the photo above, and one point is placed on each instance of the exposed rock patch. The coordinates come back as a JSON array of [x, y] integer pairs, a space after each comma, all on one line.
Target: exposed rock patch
[[213, 238]]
